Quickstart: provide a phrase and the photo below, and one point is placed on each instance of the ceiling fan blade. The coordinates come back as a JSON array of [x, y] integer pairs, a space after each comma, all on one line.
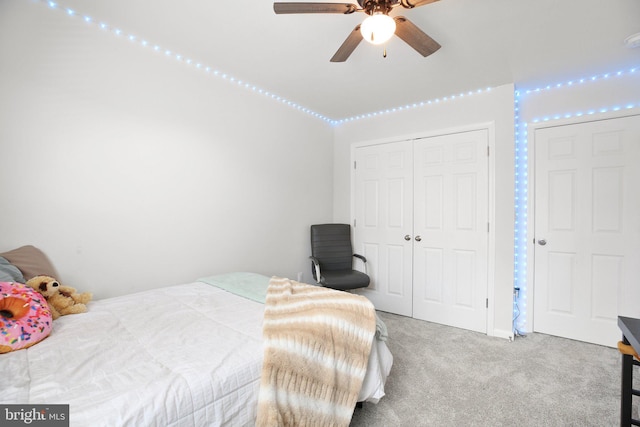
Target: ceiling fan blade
[[348, 46], [410, 4], [415, 37], [289, 7]]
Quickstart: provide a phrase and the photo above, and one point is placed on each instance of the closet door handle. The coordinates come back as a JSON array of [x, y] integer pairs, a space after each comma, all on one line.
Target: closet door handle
[[418, 238], [407, 237]]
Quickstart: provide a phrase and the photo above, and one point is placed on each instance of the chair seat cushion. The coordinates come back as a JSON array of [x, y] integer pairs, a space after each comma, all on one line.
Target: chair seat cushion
[[344, 279]]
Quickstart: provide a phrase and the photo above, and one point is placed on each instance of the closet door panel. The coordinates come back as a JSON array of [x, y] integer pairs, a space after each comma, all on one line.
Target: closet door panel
[[451, 217], [383, 195]]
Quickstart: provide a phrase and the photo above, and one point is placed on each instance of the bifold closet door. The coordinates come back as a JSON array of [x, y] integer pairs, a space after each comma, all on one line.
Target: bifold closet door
[[383, 197], [450, 253]]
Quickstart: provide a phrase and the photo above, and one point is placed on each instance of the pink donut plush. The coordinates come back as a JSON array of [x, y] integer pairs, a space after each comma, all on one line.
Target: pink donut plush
[[25, 318]]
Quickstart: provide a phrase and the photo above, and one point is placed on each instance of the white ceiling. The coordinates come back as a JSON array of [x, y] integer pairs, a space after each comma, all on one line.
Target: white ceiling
[[484, 43]]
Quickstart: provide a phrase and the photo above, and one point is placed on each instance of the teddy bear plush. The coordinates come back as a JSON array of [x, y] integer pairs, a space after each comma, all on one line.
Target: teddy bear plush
[[62, 300]]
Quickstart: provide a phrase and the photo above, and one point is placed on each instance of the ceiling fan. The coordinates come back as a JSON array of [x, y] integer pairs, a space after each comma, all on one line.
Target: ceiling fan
[[377, 28]]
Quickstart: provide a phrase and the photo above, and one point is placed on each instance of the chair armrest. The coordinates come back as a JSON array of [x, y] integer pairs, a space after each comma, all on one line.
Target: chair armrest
[[316, 266], [361, 257], [364, 260]]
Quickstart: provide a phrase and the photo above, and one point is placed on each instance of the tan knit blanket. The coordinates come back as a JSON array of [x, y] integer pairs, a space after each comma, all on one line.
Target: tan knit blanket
[[316, 348]]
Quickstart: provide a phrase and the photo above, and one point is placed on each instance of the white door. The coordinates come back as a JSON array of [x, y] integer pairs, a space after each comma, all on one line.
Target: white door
[[587, 228], [383, 193], [451, 187]]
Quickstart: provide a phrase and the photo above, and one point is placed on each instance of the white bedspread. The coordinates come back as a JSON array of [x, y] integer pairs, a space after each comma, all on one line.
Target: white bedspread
[[187, 355]]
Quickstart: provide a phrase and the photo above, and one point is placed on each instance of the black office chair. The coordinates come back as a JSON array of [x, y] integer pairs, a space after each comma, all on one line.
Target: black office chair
[[332, 258]]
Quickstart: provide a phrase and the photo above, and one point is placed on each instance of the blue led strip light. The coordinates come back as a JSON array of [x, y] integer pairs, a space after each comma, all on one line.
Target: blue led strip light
[[581, 81], [180, 58], [570, 83], [521, 178], [520, 232], [216, 73], [587, 112], [412, 106]]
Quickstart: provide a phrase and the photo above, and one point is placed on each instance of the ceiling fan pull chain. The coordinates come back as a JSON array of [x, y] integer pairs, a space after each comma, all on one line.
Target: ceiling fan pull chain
[[384, 52]]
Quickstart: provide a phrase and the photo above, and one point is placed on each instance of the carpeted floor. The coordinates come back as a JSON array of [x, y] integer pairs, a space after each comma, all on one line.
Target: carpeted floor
[[445, 376]]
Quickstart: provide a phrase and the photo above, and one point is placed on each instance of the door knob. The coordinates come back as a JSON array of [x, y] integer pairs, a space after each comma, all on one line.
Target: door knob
[[542, 242], [407, 237], [418, 238]]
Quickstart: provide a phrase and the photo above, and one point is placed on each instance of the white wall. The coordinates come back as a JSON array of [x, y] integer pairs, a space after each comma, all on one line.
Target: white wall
[[494, 107], [132, 170], [604, 96]]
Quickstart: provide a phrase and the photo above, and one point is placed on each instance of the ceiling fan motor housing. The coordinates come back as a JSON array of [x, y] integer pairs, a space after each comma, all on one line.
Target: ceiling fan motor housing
[[377, 6]]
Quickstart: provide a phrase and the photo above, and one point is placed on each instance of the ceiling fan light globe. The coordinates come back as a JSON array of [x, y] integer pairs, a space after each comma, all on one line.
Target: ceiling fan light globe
[[378, 28]]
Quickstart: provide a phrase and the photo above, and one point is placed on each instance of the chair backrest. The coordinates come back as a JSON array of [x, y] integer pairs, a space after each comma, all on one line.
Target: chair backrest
[[331, 245]]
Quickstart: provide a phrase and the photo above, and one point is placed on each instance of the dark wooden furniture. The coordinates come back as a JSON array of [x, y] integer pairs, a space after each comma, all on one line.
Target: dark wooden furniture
[[630, 336]]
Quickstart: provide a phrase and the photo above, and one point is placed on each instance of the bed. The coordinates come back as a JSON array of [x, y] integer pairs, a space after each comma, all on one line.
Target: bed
[[188, 354]]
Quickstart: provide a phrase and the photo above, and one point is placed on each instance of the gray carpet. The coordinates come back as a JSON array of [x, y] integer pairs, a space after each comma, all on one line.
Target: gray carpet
[[445, 376]]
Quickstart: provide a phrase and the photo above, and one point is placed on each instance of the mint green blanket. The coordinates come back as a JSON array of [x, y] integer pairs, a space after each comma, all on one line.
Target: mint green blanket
[[252, 286]]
